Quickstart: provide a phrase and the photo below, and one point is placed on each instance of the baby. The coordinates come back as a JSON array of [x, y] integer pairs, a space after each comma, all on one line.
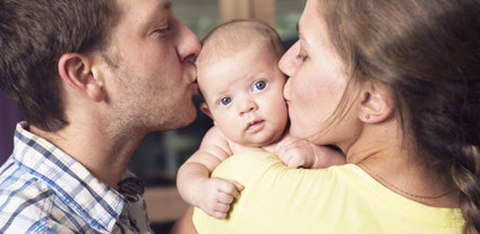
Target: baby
[[242, 87]]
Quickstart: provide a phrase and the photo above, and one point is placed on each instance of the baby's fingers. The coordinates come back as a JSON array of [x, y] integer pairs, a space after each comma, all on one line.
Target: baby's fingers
[[220, 210], [225, 198], [231, 188], [219, 215], [296, 163]]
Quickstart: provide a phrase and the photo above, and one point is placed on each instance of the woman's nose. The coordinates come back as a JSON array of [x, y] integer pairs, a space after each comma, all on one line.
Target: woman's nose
[[288, 63]]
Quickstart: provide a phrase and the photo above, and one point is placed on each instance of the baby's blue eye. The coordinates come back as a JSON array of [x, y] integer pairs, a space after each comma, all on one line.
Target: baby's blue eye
[[225, 101], [260, 85]]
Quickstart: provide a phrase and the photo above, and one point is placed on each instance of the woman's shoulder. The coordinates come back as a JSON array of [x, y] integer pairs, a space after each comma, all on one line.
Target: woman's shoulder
[[252, 166], [263, 174], [278, 199], [243, 167]]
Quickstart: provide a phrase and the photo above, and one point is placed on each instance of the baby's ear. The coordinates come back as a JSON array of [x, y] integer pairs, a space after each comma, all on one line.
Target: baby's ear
[[204, 108]]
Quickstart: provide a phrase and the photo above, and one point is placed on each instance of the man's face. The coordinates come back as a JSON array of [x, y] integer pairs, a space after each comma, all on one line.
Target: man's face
[[152, 77]]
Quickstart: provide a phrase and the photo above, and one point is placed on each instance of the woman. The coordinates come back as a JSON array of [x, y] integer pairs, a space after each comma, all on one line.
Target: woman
[[396, 86]]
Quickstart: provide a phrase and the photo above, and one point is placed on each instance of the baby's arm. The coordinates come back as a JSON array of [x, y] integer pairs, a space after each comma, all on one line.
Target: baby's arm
[[212, 195], [296, 152]]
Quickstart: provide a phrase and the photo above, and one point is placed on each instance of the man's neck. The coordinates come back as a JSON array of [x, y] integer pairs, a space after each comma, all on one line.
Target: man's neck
[[105, 154]]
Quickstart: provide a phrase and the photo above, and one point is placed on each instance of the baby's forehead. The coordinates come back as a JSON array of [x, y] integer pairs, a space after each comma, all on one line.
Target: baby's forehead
[[238, 54], [241, 71], [219, 51], [230, 38]]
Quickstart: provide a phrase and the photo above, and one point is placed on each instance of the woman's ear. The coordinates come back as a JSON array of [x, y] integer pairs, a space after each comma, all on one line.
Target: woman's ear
[[76, 71], [376, 104]]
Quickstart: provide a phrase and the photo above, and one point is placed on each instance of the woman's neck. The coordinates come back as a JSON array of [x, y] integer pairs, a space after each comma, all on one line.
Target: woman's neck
[[388, 157]]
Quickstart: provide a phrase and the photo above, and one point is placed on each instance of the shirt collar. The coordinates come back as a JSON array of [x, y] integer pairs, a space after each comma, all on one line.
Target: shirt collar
[[94, 201]]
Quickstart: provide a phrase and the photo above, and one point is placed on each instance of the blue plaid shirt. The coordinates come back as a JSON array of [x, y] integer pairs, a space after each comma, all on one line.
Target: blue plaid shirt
[[43, 190]]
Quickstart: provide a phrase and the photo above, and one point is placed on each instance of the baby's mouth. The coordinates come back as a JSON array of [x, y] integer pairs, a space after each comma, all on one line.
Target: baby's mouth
[[255, 126]]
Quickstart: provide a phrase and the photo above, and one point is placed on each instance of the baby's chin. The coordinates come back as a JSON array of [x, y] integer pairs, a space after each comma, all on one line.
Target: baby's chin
[[263, 141]]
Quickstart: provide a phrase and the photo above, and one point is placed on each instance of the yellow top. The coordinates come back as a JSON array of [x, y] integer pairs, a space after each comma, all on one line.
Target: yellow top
[[340, 199]]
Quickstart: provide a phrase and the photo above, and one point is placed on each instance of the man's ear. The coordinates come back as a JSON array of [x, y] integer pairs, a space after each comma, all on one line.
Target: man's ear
[[376, 104], [204, 108], [76, 70]]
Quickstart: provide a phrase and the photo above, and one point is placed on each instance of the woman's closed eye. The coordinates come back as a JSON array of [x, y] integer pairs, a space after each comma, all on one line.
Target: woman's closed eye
[[302, 57], [302, 52]]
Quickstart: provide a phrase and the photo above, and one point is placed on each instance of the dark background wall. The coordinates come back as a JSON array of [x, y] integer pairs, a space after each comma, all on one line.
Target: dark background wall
[[9, 116]]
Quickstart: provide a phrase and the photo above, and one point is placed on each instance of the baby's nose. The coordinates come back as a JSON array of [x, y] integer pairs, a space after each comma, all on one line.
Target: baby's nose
[[247, 106]]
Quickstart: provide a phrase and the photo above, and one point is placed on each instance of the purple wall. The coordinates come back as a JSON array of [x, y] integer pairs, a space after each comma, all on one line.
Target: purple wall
[[9, 116]]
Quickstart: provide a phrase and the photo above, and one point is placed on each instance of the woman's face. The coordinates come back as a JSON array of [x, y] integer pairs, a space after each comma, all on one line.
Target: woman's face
[[317, 80]]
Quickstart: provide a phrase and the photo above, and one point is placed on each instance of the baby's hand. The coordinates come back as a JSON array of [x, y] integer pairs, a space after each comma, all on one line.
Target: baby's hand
[[302, 153], [216, 195]]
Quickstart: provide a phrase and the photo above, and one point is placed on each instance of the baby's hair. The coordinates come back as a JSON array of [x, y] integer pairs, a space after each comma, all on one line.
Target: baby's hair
[[229, 38]]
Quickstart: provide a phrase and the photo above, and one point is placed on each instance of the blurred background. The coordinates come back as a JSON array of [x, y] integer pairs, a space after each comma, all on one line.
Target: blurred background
[[161, 153]]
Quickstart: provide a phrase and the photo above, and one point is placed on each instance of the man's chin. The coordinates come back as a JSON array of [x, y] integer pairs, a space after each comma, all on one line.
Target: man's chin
[[182, 120], [189, 120]]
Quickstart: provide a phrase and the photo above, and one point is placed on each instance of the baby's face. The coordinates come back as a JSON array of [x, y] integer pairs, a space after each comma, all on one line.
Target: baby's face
[[245, 96]]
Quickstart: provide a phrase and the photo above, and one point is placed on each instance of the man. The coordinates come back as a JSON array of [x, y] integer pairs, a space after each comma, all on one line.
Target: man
[[92, 79]]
